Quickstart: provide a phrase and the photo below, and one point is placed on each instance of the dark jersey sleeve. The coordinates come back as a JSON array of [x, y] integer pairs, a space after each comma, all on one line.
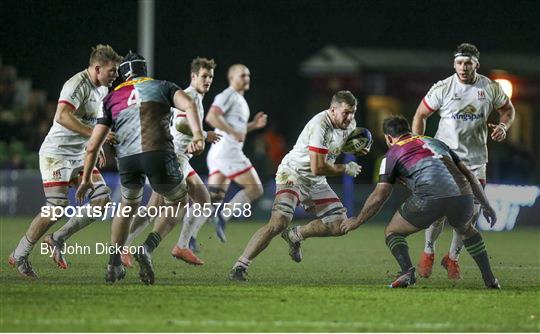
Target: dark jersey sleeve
[[169, 89], [454, 156], [388, 172], [104, 115]]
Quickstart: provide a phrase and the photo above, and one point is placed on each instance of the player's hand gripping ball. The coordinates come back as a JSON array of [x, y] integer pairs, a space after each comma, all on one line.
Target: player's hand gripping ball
[[359, 142]]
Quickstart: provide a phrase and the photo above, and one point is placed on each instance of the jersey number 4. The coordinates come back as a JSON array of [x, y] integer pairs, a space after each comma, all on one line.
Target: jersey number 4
[[134, 98]]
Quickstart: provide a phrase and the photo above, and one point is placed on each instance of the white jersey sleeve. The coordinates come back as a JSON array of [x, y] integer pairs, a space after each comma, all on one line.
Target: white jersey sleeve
[[224, 101], [182, 138], [434, 99], [74, 95], [498, 97], [319, 137], [80, 93]]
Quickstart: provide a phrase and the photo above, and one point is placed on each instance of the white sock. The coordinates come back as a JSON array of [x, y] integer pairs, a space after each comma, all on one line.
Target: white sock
[[455, 247], [73, 225], [432, 233], [141, 222], [240, 198], [187, 229], [190, 228], [242, 262], [23, 248], [295, 235], [197, 225]]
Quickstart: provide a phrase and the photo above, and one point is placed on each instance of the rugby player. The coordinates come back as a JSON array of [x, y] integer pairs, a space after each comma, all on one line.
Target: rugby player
[[139, 110], [61, 156], [301, 179], [229, 115], [441, 186], [202, 75], [464, 102]]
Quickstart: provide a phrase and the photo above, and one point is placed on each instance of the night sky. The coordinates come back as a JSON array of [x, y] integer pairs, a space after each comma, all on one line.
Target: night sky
[[50, 40]]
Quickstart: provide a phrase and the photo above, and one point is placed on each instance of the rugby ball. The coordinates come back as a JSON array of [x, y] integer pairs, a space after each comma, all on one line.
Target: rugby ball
[[359, 139]]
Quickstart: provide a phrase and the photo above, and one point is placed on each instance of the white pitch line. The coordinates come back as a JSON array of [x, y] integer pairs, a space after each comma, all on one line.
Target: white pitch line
[[505, 267], [255, 323]]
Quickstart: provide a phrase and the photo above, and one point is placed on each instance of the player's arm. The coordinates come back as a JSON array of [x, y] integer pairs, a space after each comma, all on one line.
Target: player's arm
[[182, 101], [216, 120], [479, 193], [259, 122], [320, 167], [507, 113], [64, 116], [97, 138], [420, 117], [372, 206]]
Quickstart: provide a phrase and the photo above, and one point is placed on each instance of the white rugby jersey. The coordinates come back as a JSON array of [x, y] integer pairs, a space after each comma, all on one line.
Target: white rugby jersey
[[236, 113], [464, 110], [320, 136], [82, 95], [181, 140]]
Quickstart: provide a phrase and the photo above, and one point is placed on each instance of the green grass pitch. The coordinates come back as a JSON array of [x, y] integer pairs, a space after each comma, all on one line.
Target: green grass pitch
[[340, 286]]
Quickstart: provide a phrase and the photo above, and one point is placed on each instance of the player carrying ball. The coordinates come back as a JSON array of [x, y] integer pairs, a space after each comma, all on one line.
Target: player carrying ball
[[301, 179]]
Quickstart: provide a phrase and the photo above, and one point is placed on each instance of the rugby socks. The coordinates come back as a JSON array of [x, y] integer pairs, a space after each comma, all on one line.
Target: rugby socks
[[140, 223], [240, 198], [190, 228], [477, 249], [398, 246], [243, 262], [152, 241], [73, 225], [457, 244], [197, 225], [23, 248], [187, 230], [455, 247], [294, 235], [432, 233], [115, 260]]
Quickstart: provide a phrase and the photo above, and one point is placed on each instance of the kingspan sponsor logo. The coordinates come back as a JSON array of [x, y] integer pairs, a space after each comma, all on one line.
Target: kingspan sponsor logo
[[468, 114]]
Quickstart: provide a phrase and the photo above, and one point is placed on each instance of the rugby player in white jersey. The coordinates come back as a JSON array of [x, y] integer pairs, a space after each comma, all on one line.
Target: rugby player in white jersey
[[229, 114], [202, 75], [464, 102], [62, 153], [301, 179]]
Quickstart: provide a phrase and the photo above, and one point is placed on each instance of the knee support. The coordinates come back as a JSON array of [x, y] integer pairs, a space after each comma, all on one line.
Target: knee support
[[132, 195], [100, 192], [285, 206], [176, 194], [333, 214]]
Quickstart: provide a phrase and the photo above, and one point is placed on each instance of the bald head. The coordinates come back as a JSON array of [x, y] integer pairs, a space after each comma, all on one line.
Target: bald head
[[239, 77]]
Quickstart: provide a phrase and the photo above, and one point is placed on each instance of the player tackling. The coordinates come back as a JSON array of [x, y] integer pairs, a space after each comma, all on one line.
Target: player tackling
[[301, 179], [464, 102], [62, 153], [441, 186]]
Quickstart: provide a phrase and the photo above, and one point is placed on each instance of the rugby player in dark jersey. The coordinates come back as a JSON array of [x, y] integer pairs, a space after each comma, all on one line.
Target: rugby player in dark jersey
[[441, 185], [138, 110]]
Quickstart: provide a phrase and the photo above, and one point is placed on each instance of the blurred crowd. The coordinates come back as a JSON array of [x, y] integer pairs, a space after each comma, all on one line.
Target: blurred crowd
[[26, 114]]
